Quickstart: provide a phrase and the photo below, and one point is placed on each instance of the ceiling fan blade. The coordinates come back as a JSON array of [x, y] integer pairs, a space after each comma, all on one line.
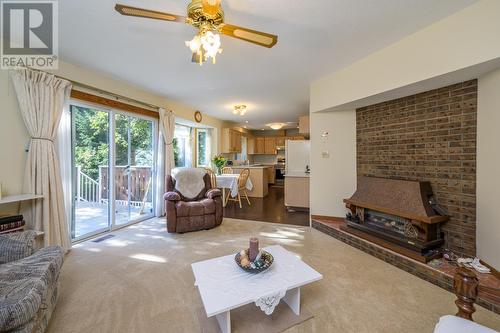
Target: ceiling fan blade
[[140, 12], [210, 7], [249, 35]]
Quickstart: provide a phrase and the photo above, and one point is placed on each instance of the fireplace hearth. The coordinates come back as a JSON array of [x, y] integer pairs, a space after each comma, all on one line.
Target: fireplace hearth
[[397, 214]]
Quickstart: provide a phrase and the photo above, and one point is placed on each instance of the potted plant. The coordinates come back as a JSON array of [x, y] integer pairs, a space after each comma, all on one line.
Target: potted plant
[[219, 161]]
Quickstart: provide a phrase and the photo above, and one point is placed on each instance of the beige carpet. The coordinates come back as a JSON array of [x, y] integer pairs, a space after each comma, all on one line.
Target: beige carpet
[[251, 319], [141, 281]]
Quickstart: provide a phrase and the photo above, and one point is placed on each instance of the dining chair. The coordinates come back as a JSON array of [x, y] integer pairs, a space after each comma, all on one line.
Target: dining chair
[[213, 178], [242, 187], [226, 170]]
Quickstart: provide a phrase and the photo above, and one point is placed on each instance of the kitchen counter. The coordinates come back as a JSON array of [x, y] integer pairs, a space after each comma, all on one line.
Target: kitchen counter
[[250, 166], [259, 175], [298, 174]]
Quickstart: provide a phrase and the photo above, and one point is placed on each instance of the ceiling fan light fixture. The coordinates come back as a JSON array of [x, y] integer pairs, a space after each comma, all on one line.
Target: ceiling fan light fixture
[[205, 45], [194, 44], [276, 126], [211, 44], [240, 109]]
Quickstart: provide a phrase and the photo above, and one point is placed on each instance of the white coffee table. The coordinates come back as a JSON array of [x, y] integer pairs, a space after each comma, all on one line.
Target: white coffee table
[[224, 286]]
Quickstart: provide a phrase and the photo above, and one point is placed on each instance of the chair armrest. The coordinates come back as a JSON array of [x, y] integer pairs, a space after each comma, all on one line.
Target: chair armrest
[[172, 196], [16, 245], [215, 192]]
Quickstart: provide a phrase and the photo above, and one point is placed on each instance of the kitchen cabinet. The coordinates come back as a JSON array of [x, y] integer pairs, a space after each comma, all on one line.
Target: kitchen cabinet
[[260, 146], [267, 145], [280, 141], [250, 145], [304, 125], [231, 141], [259, 175], [270, 145], [297, 191], [271, 175]]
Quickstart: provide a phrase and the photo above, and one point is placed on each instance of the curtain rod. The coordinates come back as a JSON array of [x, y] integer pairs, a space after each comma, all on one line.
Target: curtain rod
[[100, 91]]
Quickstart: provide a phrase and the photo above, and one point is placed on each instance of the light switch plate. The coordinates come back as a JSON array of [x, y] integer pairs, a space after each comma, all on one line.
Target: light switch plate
[[325, 154]]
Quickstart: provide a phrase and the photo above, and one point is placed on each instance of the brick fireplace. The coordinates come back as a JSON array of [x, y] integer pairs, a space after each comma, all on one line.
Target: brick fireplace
[[427, 137]]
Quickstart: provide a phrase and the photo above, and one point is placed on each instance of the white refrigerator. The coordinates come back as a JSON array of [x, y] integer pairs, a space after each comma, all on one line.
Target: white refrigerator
[[297, 156]]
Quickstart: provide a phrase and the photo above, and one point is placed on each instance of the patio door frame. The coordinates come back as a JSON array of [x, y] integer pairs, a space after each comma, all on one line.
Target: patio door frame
[[112, 112]]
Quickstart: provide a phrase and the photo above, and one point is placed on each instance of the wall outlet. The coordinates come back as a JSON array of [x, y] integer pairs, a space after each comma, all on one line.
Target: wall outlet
[[325, 154]]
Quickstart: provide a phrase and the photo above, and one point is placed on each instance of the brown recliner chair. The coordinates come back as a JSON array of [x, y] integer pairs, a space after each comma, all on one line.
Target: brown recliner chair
[[205, 211]]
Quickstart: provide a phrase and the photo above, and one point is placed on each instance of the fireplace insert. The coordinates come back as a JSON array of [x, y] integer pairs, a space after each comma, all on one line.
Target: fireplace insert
[[400, 215]]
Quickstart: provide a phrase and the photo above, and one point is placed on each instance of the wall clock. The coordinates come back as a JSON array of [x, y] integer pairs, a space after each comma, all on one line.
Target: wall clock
[[198, 117]]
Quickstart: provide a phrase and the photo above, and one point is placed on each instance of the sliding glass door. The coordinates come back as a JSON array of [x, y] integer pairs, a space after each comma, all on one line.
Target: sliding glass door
[[133, 168], [113, 177], [91, 157]]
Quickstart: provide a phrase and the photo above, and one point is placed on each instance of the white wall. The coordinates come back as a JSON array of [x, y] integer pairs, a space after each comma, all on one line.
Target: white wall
[[464, 39], [332, 179], [488, 162], [13, 139]]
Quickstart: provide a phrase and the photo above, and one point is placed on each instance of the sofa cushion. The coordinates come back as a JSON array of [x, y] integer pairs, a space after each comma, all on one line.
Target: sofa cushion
[[24, 285], [12, 249], [195, 208]]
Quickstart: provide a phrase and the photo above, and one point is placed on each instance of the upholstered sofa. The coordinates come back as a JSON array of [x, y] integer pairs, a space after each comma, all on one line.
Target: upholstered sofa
[[192, 212], [28, 283]]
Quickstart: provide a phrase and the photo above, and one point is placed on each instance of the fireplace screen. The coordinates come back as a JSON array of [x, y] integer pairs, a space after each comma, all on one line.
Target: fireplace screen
[[390, 223]]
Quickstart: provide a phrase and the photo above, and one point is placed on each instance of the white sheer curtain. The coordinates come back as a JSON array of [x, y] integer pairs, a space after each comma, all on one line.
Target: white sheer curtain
[[190, 148], [165, 154], [63, 150], [41, 98]]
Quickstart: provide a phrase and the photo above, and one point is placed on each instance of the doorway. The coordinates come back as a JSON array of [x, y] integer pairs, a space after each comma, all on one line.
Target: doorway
[[113, 154]]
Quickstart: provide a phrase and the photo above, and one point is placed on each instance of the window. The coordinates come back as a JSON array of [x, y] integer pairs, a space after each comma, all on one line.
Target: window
[[243, 156], [192, 146], [202, 148], [182, 146]]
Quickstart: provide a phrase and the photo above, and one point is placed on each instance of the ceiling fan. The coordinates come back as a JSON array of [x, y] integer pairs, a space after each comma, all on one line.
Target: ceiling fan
[[208, 17]]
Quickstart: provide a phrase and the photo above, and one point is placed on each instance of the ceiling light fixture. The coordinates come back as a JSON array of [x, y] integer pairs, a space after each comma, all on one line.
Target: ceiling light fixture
[[205, 45], [276, 126], [240, 109]]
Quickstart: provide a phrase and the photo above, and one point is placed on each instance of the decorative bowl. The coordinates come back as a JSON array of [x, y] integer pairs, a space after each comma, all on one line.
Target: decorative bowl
[[266, 258]]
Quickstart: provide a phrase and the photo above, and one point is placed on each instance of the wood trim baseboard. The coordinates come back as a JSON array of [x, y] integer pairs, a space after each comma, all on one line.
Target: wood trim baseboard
[[327, 218], [86, 97]]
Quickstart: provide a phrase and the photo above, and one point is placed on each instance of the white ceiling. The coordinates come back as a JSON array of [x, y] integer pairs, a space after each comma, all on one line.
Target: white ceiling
[[316, 37]]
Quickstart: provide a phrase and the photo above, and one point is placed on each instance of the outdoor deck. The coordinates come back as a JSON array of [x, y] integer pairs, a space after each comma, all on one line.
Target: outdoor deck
[[92, 216]]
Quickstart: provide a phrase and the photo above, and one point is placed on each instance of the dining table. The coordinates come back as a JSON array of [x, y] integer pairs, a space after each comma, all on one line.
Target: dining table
[[229, 181]]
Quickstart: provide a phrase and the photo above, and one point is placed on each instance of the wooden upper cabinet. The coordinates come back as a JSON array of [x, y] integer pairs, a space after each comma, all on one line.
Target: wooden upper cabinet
[[250, 145], [304, 125], [231, 141], [259, 145], [270, 145], [280, 141]]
